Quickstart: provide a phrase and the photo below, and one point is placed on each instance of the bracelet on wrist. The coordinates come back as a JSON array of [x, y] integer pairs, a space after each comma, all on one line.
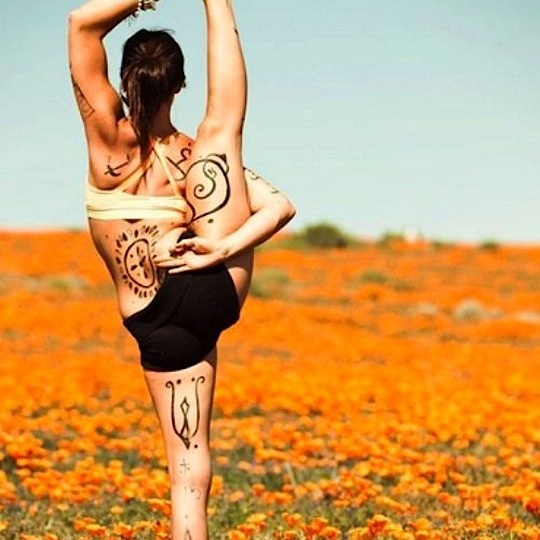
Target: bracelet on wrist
[[145, 5]]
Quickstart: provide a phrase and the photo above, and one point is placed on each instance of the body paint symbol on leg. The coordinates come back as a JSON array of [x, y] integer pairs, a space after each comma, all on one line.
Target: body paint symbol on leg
[[185, 466], [186, 432], [197, 493], [213, 185]]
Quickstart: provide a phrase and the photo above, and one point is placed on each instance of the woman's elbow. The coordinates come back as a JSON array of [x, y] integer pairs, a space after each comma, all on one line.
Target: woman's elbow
[[291, 211], [287, 211], [277, 209], [78, 20], [74, 19]]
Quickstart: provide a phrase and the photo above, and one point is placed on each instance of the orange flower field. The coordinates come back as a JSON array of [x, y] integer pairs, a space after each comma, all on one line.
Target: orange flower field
[[385, 391]]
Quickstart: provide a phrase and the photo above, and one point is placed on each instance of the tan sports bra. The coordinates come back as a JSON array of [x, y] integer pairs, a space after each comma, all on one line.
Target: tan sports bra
[[117, 203]]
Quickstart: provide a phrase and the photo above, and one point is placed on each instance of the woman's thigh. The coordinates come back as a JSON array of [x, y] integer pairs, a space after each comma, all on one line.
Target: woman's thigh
[[215, 187]]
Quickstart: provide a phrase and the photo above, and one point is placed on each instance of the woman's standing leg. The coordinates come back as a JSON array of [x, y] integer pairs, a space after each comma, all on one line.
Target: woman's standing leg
[[183, 401], [217, 193]]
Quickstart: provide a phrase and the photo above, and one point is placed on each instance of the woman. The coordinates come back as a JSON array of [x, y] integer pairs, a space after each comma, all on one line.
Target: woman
[[147, 183]]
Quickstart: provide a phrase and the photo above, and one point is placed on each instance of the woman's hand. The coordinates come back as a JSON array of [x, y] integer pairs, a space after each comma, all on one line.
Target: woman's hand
[[193, 254]]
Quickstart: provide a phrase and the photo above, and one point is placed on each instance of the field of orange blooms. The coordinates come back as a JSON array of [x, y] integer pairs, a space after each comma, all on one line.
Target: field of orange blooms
[[387, 391]]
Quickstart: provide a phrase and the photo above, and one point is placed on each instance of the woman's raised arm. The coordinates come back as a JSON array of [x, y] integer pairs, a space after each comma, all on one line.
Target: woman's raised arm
[[98, 102]]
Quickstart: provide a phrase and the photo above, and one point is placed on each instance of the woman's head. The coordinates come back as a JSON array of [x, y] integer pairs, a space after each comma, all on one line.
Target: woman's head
[[152, 71]]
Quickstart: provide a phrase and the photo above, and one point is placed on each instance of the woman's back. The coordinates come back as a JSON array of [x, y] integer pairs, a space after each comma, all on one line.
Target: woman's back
[[136, 212]]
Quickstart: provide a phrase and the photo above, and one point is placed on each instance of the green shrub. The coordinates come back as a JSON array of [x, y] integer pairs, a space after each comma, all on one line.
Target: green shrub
[[373, 276], [489, 245], [441, 244], [389, 237], [326, 235], [269, 283]]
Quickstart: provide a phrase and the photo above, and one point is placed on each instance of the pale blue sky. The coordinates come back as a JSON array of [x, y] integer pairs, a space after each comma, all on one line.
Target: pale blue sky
[[375, 115]]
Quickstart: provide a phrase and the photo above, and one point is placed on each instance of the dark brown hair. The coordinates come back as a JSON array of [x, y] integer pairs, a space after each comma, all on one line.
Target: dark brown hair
[[152, 70]]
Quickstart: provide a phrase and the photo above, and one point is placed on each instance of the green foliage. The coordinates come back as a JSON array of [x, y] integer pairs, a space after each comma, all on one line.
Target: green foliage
[[290, 242], [326, 235], [389, 237], [441, 244], [373, 276], [58, 282], [270, 282], [378, 277], [489, 245], [322, 235]]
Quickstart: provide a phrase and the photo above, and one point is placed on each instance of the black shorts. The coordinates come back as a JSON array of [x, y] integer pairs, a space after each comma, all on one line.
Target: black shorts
[[182, 323]]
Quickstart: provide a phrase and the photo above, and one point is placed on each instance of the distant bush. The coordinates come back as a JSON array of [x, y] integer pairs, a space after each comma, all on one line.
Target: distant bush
[[289, 241], [325, 235], [441, 244], [377, 277], [489, 245], [471, 309], [390, 237], [269, 283], [373, 276]]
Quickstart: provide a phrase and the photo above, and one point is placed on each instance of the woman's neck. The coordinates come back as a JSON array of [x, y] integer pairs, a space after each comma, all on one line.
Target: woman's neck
[[162, 125]]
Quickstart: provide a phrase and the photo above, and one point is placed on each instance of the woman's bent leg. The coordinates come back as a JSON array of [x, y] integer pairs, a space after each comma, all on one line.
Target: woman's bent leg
[[183, 401], [215, 185]]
